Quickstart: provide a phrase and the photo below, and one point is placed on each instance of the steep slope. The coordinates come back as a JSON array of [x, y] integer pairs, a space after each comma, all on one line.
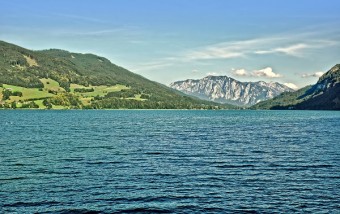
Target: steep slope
[[86, 80], [324, 95], [224, 89]]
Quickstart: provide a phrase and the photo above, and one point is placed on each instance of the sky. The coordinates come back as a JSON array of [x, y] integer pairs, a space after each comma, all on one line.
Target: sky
[[286, 41]]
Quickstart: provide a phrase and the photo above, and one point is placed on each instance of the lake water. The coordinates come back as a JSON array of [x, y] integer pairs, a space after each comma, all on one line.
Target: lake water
[[169, 161]]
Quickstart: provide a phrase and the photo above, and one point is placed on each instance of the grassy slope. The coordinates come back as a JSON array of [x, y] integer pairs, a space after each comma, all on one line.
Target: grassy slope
[[28, 93], [50, 84]]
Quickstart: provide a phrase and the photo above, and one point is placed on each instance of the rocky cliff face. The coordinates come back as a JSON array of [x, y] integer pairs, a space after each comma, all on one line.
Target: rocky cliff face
[[224, 89]]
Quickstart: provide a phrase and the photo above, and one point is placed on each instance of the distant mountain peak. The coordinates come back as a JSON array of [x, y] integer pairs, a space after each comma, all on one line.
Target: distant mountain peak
[[225, 89]]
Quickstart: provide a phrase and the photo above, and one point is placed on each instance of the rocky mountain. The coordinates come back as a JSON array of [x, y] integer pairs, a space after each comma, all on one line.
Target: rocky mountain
[[224, 89], [61, 79], [324, 95]]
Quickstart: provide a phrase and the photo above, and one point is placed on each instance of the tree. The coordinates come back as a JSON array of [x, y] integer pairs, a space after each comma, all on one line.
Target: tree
[[17, 93], [6, 94], [47, 104], [144, 96], [14, 105]]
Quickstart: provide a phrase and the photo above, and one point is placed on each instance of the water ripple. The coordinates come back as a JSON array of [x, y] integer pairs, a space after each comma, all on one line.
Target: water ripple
[[169, 162]]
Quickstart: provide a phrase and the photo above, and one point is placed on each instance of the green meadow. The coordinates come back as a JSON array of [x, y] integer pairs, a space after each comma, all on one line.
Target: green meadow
[[52, 89]]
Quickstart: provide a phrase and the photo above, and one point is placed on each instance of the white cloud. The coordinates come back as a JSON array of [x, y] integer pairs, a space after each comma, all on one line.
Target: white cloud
[[284, 44], [291, 85], [226, 50], [212, 53], [264, 52], [288, 44], [240, 72], [316, 74], [212, 74], [266, 72], [294, 50]]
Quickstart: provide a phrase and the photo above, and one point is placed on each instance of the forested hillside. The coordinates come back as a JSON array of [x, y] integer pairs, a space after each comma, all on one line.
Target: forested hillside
[[60, 79]]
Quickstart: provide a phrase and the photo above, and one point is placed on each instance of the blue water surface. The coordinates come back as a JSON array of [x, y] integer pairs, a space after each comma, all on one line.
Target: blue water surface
[[169, 161]]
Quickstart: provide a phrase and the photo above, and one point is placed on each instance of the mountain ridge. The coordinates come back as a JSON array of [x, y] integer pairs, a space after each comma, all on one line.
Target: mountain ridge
[[226, 89]]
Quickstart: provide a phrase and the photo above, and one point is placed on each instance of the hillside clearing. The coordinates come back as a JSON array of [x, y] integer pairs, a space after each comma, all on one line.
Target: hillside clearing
[[31, 62], [50, 84]]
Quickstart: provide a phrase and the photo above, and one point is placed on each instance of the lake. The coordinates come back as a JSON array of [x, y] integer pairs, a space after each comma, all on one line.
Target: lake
[[169, 161]]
